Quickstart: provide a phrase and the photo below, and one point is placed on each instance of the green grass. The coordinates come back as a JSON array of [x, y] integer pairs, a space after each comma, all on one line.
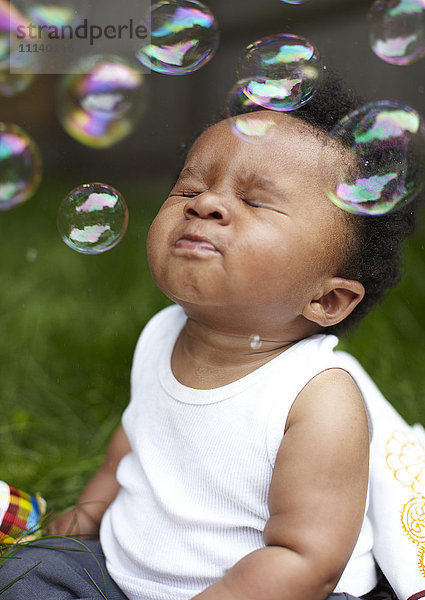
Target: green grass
[[69, 324], [390, 342], [68, 327]]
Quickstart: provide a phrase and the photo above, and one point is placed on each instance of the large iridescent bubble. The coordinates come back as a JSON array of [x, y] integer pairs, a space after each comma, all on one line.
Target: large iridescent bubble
[[397, 30], [20, 166], [100, 103], [383, 150], [281, 72], [92, 218], [294, 1], [184, 37]]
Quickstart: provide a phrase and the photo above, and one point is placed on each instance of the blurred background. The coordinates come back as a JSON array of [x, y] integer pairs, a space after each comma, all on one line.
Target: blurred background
[[179, 106], [69, 322]]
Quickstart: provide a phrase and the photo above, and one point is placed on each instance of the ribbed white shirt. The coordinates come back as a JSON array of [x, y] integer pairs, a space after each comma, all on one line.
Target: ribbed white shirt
[[194, 489]]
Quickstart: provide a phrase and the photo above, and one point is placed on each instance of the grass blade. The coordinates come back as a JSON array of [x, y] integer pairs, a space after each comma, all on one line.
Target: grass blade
[[95, 584], [8, 585]]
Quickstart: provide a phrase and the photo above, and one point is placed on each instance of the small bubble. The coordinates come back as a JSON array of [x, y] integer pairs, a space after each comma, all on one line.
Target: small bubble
[[397, 30], [385, 144], [92, 218], [245, 117], [281, 72], [20, 166], [101, 100], [184, 37]]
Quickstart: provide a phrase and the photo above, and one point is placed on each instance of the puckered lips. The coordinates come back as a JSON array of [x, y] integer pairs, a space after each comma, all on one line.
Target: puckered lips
[[195, 245]]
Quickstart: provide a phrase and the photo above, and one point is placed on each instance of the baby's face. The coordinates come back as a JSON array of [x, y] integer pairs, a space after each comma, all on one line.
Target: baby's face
[[247, 232]]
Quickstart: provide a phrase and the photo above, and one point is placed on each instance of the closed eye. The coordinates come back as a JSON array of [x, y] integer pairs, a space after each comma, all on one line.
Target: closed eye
[[189, 194], [260, 204], [184, 193], [252, 203]]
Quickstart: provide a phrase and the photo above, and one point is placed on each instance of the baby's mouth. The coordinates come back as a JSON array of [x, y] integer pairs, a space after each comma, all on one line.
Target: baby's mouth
[[196, 243]]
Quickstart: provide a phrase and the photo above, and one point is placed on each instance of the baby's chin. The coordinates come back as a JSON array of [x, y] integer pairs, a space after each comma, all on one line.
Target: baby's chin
[[196, 283]]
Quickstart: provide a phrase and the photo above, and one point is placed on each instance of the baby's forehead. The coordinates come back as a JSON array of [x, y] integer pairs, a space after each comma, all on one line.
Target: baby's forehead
[[293, 145]]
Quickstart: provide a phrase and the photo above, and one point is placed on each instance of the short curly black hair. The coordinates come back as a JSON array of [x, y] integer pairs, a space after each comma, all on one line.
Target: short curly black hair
[[375, 258]]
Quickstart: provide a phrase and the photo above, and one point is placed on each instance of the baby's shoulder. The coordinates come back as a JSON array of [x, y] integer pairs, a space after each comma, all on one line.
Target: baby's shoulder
[[332, 381], [332, 400]]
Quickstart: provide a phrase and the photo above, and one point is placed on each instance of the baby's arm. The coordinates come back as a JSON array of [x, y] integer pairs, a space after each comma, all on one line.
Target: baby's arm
[[97, 495], [317, 499]]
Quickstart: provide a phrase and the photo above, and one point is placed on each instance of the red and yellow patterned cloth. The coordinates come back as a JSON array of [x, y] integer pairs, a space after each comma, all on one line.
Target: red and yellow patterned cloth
[[20, 513]]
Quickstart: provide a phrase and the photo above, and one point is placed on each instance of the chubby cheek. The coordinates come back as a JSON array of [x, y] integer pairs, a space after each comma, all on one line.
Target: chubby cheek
[[258, 266], [274, 268], [166, 272], [156, 245]]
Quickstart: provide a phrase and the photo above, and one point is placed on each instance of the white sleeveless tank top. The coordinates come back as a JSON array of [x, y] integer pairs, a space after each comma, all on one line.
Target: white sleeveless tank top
[[194, 489]]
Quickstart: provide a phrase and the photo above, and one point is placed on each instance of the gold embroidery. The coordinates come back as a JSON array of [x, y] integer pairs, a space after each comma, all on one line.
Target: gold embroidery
[[421, 560], [406, 458], [413, 520]]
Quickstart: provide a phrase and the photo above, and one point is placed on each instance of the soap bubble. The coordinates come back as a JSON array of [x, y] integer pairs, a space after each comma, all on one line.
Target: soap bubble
[[397, 30], [285, 71], [244, 118], [100, 105], [93, 218], [385, 145], [294, 1], [184, 37], [20, 166], [55, 13]]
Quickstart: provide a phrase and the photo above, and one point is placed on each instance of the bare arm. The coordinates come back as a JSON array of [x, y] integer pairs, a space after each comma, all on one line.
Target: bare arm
[[316, 500], [97, 495]]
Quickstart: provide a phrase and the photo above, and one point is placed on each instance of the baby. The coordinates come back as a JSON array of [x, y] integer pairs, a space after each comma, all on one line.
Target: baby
[[241, 469]]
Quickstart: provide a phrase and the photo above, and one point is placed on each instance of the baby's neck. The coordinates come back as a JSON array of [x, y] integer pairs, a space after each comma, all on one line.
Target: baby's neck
[[206, 359]]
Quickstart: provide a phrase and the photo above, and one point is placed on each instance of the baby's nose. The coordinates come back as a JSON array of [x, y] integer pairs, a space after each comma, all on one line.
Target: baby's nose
[[208, 205]]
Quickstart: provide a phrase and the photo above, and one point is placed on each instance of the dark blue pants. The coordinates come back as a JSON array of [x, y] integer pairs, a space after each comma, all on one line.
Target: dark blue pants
[[67, 572]]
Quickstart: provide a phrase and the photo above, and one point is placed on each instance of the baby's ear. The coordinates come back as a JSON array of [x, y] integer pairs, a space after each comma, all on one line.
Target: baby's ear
[[339, 298]]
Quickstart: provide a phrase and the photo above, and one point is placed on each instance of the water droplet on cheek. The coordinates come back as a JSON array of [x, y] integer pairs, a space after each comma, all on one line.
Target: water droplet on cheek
[[255, 342]]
